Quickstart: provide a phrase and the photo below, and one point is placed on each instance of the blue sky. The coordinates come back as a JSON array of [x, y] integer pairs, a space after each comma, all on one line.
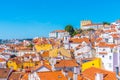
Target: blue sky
[[31, 18]]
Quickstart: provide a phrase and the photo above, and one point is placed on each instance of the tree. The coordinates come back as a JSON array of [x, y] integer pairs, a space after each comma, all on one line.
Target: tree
[[106, 23], [90, 29], [70, 29], [30, 46]]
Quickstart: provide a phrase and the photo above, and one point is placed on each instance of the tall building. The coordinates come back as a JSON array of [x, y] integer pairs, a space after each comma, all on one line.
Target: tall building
[[87, 24]]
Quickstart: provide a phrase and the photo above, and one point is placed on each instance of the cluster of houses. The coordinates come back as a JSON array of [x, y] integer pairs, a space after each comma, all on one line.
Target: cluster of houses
[[91, 55]]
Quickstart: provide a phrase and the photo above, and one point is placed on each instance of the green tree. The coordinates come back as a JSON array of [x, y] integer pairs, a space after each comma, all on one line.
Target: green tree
[[90, 29], [70, 29], [106, 23], [30, 46]]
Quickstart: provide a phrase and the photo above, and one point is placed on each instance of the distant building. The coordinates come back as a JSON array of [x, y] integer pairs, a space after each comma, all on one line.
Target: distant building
[[87, 24], [59, 34]]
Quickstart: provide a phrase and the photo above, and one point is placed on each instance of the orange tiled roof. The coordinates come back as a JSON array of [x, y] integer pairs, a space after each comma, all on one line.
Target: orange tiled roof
[[79, 40], [57, 75], [104, 44], [16, 76], [2, 60], [91, 72], [4, 72], [113, 26], [77, 35], [66, 63], [70, 74], [99, 39], [45, 54], [40, 41], [102, 52], [16, 59], [25, 77], [41, 65], [2, 49], [115, 35], [27, 55], [109, 31]]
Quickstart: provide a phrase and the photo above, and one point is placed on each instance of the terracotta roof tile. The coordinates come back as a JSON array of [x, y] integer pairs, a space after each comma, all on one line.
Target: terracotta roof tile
[[66, 63], [4, 72], [16, 76], [45, 54], [104, 44], [2, 60], [115, 35], [91, 72], [79, 40], [57, 75]]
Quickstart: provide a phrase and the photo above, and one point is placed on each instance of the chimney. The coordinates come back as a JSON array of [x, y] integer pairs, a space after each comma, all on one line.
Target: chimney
[[41, 62], [53, 62], [99, 76], [63, 72], [75, 75]]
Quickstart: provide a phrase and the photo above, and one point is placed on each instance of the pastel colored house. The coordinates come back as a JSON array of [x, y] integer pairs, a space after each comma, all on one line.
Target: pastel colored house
[[87, 24], [90, 62], [28, 64], [59, 34], [67, 65], [109, 54], [42, 67], [43, 47], [2, 63], [14, 63]]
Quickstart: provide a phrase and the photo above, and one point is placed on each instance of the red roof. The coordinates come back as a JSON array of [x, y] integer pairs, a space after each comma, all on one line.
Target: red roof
[[104, 44], [79, 40], [91, 72]]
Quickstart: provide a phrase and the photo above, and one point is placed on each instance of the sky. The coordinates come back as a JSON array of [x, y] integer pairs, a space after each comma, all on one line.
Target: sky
[[32, 18]]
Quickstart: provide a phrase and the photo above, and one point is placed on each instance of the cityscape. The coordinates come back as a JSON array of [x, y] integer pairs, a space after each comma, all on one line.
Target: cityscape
[[89, 53], [59, 40]]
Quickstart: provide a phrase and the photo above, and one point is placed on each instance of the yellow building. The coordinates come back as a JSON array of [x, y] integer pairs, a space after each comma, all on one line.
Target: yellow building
[[43, 47], [14, 64], [91, 62], [85, 22], [53, 53], [63, 52], [28, 64]]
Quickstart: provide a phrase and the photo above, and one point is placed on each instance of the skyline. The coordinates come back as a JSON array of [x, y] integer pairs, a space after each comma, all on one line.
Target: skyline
[[28, 19]]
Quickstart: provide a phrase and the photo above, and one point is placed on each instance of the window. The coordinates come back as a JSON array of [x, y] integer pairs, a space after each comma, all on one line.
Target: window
[[111, 50], [110, 65], [103, 56], [106, 40], [103, 49], [110, 57]]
